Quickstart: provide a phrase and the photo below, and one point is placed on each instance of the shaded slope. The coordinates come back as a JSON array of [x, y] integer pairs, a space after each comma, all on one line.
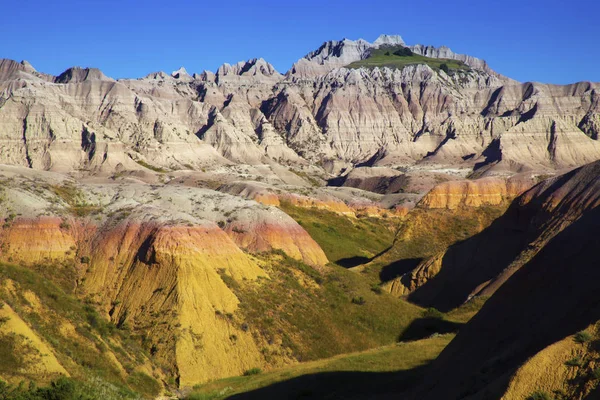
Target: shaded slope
[[479, 265], [356, 375], [551, 297]]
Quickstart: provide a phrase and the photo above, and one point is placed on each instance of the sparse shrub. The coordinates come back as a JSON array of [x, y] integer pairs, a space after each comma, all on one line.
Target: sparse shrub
[[144, 383], [582, 337], [376, 289], [64, 225], [433, 313], [539, 395], [573, 362], [444, 67], [596, 373], [245, 327], [358, 300], [66, 389], [103, 327], [404, 52], [252, 371], [85, 260]]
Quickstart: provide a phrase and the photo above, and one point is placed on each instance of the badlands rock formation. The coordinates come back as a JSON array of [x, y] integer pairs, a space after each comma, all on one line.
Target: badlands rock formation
[[163, 189], [319, 113], [154, 258], [491, 191]]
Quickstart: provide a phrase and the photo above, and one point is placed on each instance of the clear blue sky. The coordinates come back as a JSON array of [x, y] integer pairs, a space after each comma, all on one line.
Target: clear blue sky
[[529, 40]]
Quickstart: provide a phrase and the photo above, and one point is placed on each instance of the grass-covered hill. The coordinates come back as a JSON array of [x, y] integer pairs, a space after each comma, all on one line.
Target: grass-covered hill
[[400, 57]]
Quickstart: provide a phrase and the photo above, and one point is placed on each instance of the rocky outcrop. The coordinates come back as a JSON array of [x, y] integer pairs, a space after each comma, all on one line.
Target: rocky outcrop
[[476, 193], [334, 54], [331, 54], [445, 52], [257, 70], [157, 273]]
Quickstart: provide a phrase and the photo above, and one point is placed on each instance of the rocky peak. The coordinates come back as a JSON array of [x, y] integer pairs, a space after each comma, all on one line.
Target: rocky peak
[[332, 54], [181, 74], [9, 69], [27, 66], [389, 40], [256, 66], [336, 54], [205, 76], [157, 76], [78, 75], [339, 53], [257, 70]]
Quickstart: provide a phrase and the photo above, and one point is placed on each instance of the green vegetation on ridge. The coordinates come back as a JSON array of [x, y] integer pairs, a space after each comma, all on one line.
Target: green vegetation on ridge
[[389, 57], [66, 389]]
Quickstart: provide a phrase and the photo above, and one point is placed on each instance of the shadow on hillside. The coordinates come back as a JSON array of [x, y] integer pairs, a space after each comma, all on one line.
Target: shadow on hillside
[[339, 385], [425, 327], [352, 262], [552, 297], [482, 258], [355, 261], [398, 268]]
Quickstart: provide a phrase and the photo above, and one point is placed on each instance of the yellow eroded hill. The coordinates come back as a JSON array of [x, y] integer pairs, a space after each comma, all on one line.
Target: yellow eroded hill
[[37, 358], [165, 281]]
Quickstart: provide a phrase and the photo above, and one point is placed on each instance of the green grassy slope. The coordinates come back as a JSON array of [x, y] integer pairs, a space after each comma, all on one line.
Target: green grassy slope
[[304, 314], [381, 366], [342, 238], [426, 232], [92, 350], [385, 57]]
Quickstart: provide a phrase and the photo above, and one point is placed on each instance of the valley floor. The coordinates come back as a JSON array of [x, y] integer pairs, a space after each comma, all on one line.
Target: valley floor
[[349, 375]]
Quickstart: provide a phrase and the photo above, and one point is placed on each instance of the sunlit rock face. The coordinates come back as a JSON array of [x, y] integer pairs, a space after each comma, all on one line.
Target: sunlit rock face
[[319, 113]]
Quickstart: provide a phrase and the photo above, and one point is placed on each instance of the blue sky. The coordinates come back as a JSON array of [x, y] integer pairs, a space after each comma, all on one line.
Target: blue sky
[[529, 40]]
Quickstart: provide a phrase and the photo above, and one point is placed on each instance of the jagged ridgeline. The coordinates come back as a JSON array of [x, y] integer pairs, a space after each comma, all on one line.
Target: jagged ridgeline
[[211, 234], [433, 108]]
